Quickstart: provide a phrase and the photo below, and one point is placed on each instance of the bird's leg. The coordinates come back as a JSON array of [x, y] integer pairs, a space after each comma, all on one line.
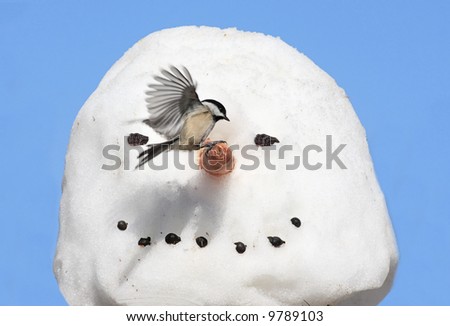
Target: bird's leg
[[210, 144], [189, 147]]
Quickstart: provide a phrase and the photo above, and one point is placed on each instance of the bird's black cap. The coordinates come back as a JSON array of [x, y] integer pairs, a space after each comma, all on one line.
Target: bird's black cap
[[219, 106]]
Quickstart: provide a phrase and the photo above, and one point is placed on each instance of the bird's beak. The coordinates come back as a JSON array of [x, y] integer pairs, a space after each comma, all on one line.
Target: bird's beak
[[226, 118]]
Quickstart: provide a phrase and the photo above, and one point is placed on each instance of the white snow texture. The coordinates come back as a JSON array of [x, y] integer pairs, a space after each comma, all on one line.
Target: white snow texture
[[344, 252]]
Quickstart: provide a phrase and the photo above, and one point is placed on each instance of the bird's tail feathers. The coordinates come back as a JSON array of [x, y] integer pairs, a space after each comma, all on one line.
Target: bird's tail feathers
[[154, 150]]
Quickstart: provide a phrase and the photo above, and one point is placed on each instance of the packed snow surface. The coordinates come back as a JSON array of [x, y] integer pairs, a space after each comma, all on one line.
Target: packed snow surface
[[231, 238]]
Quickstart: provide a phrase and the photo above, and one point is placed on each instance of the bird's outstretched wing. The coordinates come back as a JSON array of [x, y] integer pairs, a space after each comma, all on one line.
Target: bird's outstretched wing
[[170, 100]]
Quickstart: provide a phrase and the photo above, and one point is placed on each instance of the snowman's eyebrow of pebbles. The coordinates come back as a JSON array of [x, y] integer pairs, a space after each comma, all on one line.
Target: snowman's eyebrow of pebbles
[[265, 140]]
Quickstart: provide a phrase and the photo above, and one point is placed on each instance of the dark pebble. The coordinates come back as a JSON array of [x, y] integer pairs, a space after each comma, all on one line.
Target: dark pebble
[[145, 241], [137, 139], [276, 241], [265, 140], [240, 247], [201, 241], [172, 238], [296, 221], [122, 225]]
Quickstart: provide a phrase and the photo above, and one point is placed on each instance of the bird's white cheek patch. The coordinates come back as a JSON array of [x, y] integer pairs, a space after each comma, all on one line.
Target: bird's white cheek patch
[[300, 221]]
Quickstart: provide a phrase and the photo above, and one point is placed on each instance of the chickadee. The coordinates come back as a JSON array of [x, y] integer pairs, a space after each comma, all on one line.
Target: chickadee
[[178, 114]]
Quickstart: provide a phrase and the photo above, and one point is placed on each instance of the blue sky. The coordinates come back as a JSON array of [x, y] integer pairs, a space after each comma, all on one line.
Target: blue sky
[[391, 57]]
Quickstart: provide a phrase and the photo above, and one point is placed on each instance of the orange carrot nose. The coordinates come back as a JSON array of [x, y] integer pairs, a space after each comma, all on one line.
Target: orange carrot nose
[[218, 160]]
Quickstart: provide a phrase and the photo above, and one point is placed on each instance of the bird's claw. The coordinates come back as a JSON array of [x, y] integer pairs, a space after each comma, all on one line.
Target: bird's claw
[[211, 144]]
